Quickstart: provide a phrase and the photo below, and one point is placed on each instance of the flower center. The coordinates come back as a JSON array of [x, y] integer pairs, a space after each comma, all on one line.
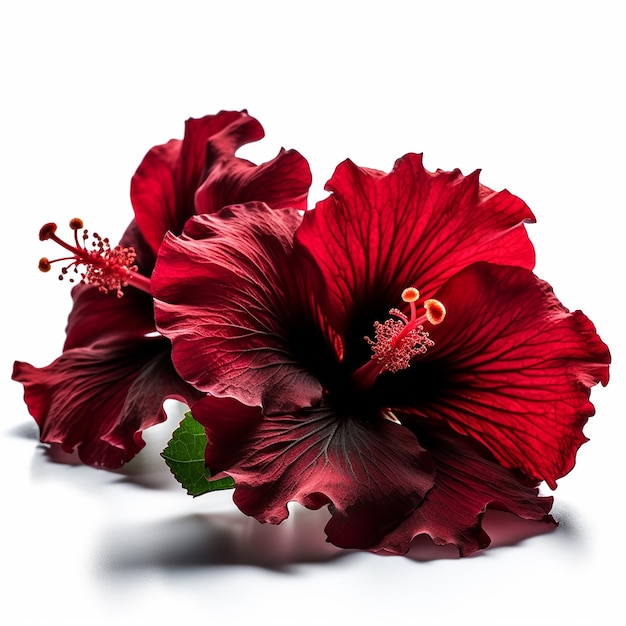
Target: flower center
[[109, 269], [397, 341]]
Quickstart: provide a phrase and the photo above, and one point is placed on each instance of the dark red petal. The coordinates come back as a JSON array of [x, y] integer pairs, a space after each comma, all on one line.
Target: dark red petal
[[146, 257], [515, 369], [281, 183], [156, 192], [96, 315], [467, 481], [372, 475], [100, 398], [216, 138], [378, 234], [163, 188], [228, 295]]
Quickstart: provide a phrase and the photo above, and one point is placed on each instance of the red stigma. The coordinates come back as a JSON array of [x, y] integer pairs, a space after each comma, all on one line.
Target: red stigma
[[105, 267], [398, 341], [47, 231]]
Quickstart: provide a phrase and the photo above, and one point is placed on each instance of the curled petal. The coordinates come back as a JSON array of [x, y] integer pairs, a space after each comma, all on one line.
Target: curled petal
[[100, 398], [281, 183], [163, 187], [201, 174], [373, 475], [514, 369], [467, 481], [164, 192]]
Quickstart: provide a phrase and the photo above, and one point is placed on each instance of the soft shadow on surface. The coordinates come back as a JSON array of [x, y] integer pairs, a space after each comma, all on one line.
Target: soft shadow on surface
[[217, 539], [147, 470], [26, 430], [52, 453], [505, 530], [210, 540]]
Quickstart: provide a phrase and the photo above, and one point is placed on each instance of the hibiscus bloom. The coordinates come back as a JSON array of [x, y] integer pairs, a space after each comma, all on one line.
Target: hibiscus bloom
[[389, 354], [115, 371]]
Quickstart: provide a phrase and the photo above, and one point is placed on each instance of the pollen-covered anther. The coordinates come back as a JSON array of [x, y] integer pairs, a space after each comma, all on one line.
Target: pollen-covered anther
[[410, 294], [107, 268], [435, 311], [397, 341], [395, 344]]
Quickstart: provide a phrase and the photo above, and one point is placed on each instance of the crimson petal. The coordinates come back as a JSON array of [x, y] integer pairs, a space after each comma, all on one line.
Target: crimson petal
[[380, 233], [163, 193], [372, 475], [163, 187], [223, 297], [282, 182], [467, 481], [130, 316], [120, 385], [201, 174], [95, 315], [515, 369]]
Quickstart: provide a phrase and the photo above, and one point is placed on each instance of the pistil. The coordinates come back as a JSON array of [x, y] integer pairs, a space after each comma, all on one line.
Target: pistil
[[398, 341], [110, 269]]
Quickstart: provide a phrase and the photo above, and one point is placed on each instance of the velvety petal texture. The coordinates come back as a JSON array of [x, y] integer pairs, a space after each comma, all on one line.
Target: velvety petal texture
[[371, 475], [97, 400], [380, 233], [317, 377], [282, 182], [223, 297], [131, 315], [467, 481], [515, 369], [110, 382], [163, 188], [270, 311], [200, 174], [114, 374]]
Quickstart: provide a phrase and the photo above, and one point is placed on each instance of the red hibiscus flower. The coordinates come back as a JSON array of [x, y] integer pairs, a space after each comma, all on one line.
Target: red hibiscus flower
[[115, 371], [389, 354]]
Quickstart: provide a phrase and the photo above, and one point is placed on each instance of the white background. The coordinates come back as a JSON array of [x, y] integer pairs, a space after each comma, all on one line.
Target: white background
[[530, 92]]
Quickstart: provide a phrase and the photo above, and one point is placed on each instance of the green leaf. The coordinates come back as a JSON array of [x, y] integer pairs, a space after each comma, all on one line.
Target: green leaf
[[184, 455]]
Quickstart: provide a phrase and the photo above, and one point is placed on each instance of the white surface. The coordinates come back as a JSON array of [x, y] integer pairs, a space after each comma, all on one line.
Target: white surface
[[531, 92]]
